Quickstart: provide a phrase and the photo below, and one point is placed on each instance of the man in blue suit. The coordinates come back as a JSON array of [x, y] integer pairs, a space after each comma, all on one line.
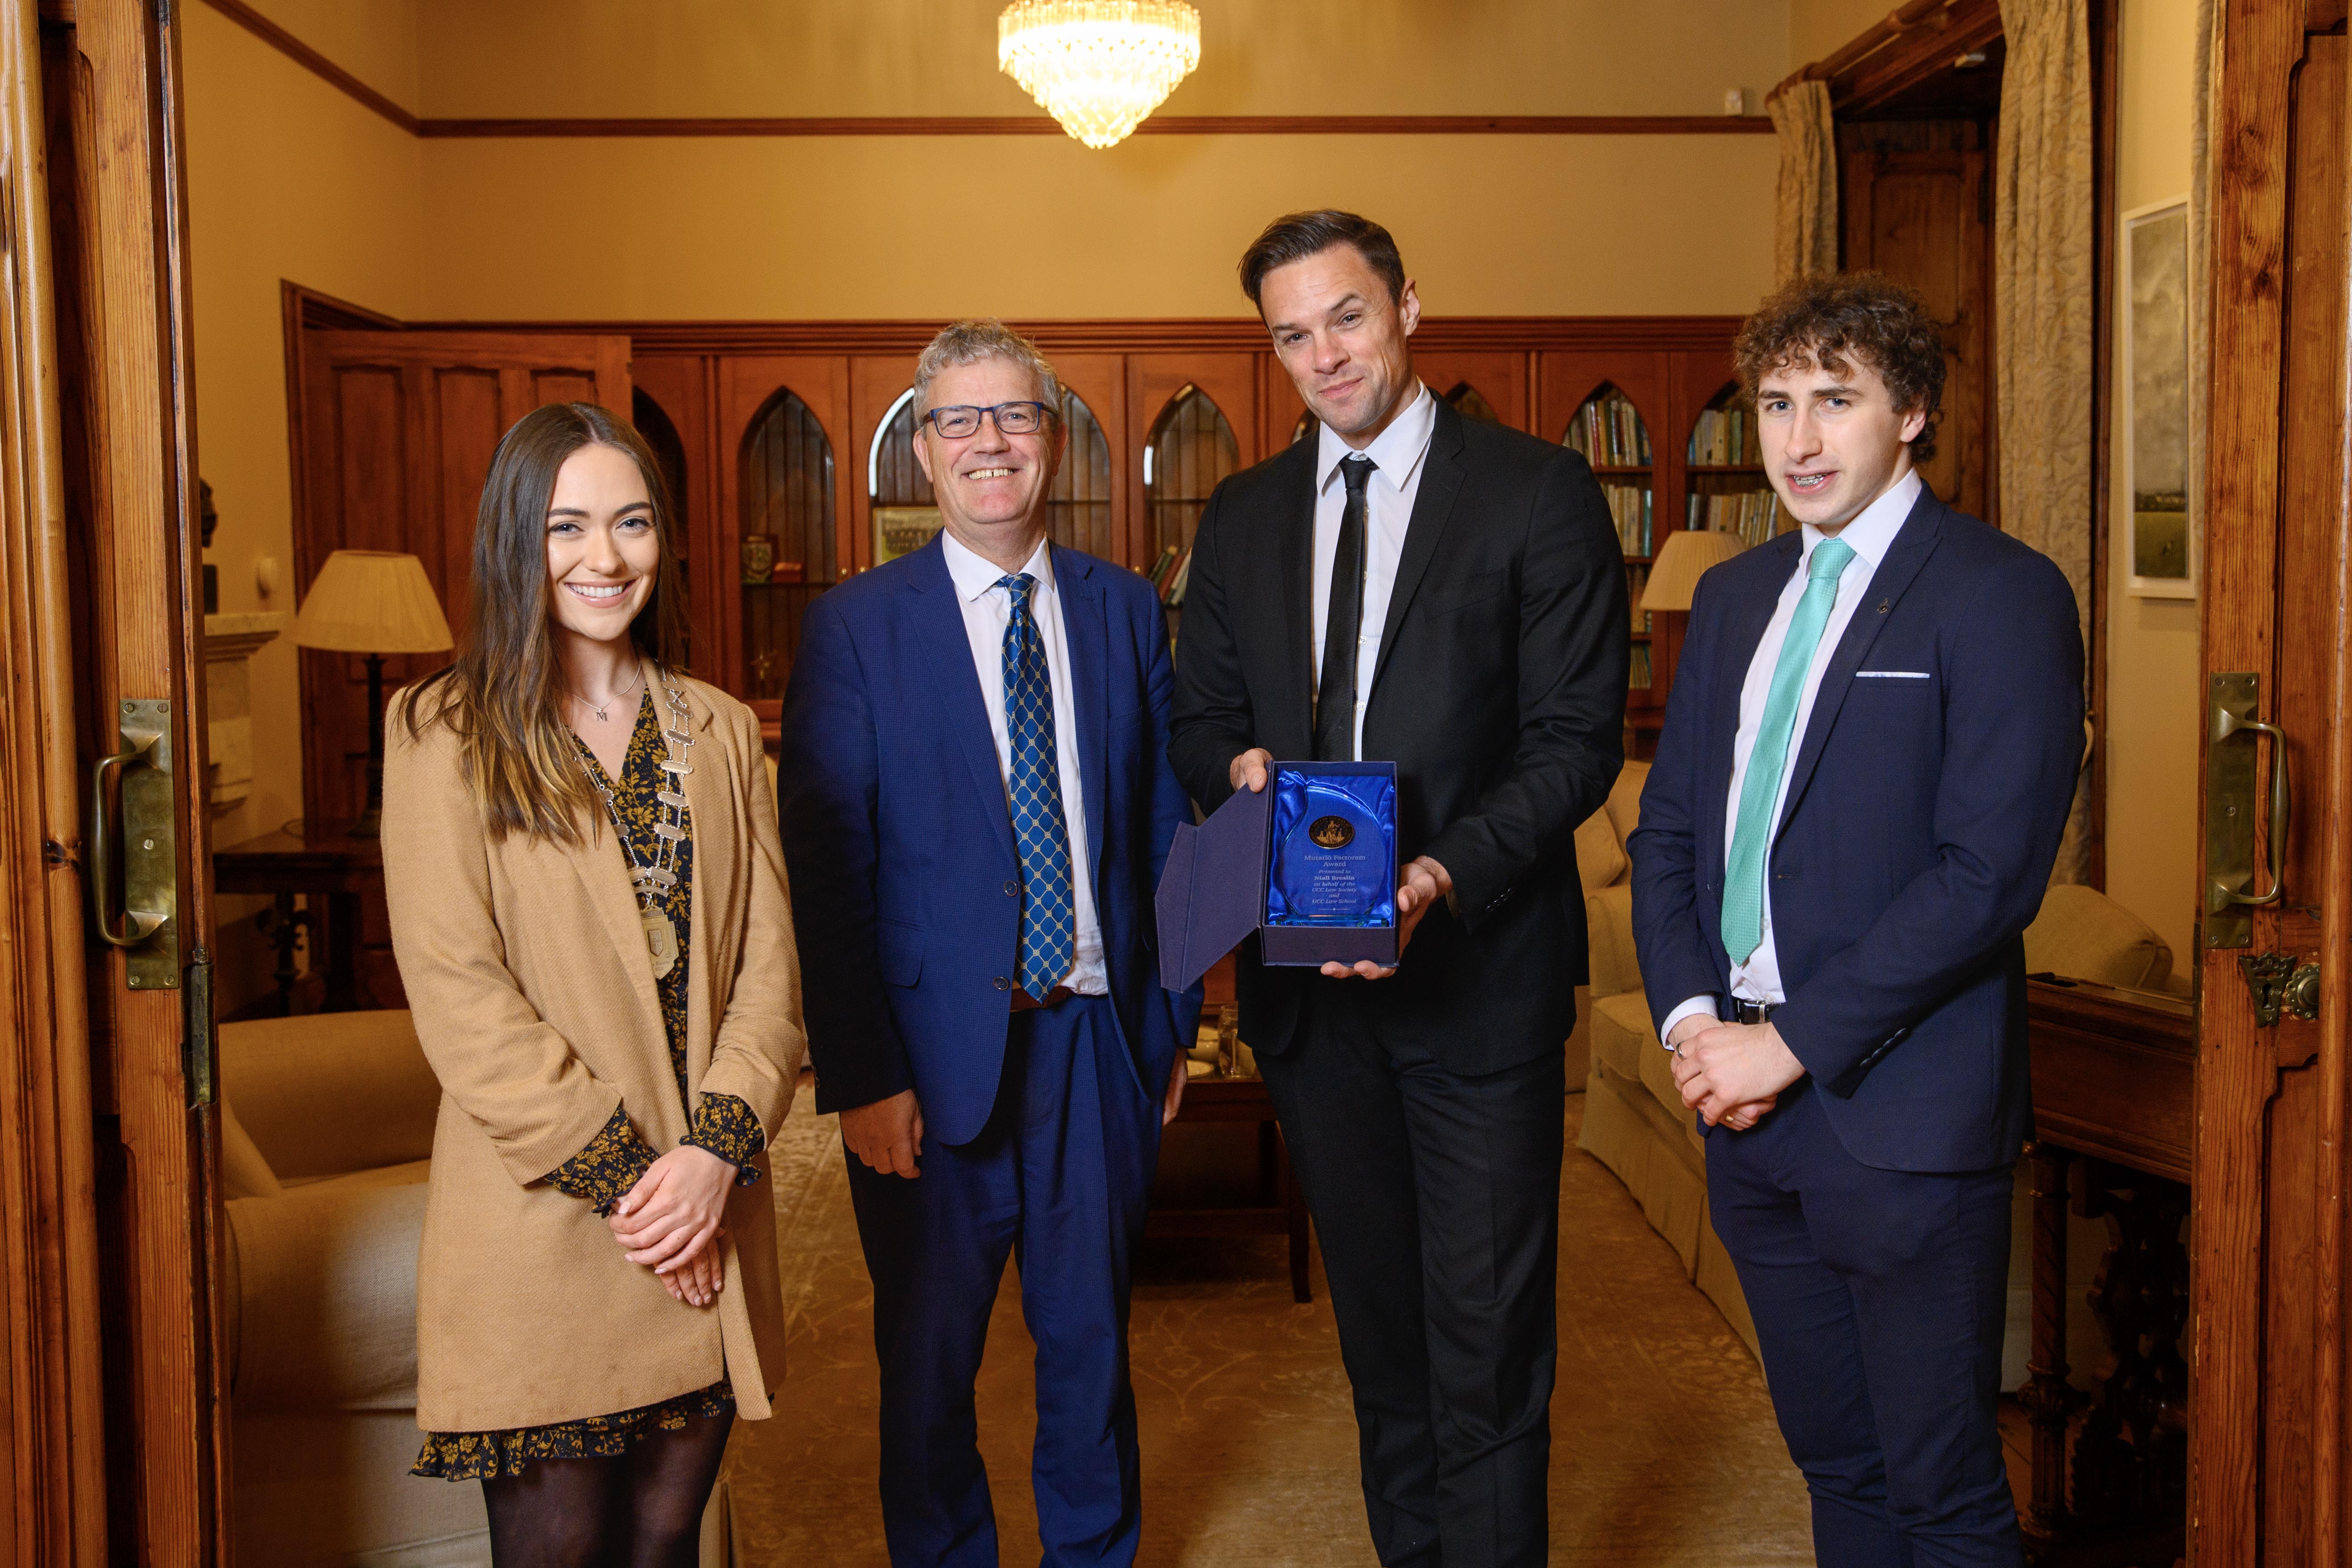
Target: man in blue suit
[[976, 805], [1866, 766]]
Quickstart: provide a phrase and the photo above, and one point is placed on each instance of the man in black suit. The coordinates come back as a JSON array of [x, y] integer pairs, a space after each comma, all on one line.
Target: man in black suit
[[1448, 594], [1865, 772]]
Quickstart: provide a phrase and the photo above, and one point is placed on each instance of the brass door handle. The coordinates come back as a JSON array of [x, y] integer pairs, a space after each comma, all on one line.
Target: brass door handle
[[136, 831], [2226, 724]]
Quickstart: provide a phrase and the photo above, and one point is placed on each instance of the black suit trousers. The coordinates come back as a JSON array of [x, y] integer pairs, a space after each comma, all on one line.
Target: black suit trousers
[[1436, 1198]]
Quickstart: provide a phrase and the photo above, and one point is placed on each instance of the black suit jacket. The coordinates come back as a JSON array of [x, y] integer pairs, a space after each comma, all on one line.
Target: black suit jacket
[[1500, 693]]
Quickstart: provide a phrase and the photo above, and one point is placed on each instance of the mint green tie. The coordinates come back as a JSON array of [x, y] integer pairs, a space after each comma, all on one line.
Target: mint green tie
[[1760, 791]]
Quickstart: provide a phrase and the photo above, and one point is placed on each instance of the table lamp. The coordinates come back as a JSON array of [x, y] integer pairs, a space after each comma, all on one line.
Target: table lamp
[[373, 601], [1673, 575]]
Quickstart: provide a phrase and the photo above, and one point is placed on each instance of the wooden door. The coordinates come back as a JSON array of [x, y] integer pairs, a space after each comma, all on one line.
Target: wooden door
[[1154, 382], [393, 433], [2268, 1469], [112, 1421], [1917, 204]]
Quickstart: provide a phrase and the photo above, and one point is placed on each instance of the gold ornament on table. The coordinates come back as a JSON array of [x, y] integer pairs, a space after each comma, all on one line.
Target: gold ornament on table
[[1098, 66]]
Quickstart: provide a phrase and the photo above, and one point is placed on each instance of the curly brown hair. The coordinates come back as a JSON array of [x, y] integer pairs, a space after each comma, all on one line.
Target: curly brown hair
[[1831, 319]]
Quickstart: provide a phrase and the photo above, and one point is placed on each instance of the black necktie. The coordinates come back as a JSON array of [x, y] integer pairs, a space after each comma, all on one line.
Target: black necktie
[[1343, 625]]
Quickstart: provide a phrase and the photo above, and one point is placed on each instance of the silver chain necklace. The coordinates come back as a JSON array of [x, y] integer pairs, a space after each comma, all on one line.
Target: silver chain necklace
[[657, 872], [602, 716]]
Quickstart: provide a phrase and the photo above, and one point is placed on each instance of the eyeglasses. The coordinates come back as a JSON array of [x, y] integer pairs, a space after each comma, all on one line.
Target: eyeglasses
[[961, 419]]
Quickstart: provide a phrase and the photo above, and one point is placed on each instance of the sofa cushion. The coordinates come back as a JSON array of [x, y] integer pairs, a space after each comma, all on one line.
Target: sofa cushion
[[244, 1173], [325, 1093], [1600, 857], [1621, 1029], [1609, 940], [2083, 934], [326, 1297], [1625, 806]]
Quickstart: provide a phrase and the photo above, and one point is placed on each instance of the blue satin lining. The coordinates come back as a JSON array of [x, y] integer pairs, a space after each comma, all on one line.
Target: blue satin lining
[[1297, 796]]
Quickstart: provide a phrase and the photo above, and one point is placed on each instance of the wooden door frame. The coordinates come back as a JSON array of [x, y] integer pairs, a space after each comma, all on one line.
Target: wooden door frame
[[2233, 1269]]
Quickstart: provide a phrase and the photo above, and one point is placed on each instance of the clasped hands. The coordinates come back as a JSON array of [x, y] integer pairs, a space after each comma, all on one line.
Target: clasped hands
[[1424, 882], [1731, 1074], [669, 1222]]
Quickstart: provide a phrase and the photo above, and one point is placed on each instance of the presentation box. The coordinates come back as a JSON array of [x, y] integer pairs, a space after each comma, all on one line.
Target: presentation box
[[1308, 864]]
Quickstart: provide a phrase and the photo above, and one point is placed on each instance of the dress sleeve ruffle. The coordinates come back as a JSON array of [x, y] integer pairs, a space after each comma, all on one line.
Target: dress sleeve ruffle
[[603, 1172], [728, 1127]]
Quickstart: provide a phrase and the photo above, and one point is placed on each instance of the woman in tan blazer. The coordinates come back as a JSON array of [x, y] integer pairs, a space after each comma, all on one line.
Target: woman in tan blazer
[[589, 909]]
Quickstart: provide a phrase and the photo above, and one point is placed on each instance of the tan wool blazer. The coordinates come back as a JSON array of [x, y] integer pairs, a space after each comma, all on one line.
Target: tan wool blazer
[[534, 999]]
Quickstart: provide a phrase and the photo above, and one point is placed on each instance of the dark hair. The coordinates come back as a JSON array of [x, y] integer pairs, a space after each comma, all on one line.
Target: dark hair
[[1294, 236], [504, 697], [1833, 317]]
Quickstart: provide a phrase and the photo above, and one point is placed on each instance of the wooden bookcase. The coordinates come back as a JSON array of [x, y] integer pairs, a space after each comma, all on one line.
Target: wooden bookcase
[[785, 430]]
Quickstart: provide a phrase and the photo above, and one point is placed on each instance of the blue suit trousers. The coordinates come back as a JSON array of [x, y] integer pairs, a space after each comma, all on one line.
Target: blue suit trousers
[[1059, 1177], [1879, 1299]]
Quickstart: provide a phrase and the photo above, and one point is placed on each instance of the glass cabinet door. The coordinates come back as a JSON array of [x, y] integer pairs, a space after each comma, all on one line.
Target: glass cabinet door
[[785, 543]]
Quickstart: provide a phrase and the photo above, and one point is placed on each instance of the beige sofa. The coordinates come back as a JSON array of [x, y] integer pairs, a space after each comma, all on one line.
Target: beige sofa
[[1634, 1122], [327, 1131]]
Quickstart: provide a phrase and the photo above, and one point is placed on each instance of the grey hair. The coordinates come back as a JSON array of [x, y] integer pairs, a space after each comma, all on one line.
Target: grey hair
[[968, 343]]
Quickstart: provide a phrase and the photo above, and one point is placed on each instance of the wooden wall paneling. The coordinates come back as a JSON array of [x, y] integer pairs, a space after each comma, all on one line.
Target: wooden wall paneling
[[747, 385], [1100, 381], [2238, 1071], [1499, 374], [53, 1507], [1916, 206], [1153, 380], [1279, 406], [1564, 379]]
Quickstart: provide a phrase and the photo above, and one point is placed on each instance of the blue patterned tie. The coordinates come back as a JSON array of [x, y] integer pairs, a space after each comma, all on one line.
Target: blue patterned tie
[[1760, 788], [1049, 924]]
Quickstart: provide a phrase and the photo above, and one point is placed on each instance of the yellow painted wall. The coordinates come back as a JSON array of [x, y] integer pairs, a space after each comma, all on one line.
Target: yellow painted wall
[[1818, 28], [2153, 705], [287, 178], [863, 227], [938, 57]]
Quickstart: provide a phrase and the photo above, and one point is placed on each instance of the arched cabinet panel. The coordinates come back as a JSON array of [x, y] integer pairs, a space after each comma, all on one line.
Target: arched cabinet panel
[[783, 420], [1229, 383], [1499, 378]]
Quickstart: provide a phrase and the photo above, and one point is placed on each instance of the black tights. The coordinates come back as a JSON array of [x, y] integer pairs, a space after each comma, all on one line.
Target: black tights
[[642, 1509]]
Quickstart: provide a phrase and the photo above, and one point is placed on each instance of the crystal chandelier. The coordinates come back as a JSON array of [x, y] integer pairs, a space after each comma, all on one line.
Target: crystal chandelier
[[1099, 66]]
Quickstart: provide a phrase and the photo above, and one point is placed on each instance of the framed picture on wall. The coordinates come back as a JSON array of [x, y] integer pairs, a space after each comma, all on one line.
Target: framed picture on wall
[[2160, 549]]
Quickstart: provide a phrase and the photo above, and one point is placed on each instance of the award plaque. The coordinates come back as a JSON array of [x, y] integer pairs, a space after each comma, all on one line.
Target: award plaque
[[1333, 850], [1308, 864]]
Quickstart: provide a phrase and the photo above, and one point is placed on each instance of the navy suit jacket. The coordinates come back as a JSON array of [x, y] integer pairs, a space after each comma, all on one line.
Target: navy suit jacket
[[1914, 841], [898, 839]]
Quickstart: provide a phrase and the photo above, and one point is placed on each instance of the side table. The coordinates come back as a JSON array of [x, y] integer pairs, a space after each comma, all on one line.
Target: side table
[[319, 860], [1281, 1208]]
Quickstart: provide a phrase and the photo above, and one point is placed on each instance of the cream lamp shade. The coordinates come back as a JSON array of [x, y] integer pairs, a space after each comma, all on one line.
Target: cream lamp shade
[[1687, 552], [372, 601]]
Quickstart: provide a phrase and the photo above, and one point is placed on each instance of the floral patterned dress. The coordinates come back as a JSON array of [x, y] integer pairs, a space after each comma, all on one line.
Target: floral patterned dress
[[602, 1173]]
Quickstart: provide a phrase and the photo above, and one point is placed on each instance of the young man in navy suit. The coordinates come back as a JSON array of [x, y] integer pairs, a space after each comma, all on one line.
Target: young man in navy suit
[[1865, 769], [976, 805]]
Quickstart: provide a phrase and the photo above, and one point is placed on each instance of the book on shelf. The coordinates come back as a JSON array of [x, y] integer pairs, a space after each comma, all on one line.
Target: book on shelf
[[1752, 515], [1723, 437], [1637, 677], [1158, 576], [1171, 593], [1610, 433], [1629, 507]]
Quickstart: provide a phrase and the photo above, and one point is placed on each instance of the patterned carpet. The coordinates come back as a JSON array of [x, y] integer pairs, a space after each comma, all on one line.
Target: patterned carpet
[[1664, 1450]]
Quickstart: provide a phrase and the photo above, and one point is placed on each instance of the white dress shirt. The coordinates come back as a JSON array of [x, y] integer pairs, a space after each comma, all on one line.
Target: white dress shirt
[[1397, 455], [987, 611], [1872, 534]]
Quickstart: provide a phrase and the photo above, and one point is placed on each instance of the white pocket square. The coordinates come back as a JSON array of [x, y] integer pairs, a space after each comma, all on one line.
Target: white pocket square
[[1892, 675]]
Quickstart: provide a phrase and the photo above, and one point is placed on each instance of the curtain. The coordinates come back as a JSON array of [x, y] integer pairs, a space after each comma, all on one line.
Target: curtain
[[1805, 215], [2042, 219]]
